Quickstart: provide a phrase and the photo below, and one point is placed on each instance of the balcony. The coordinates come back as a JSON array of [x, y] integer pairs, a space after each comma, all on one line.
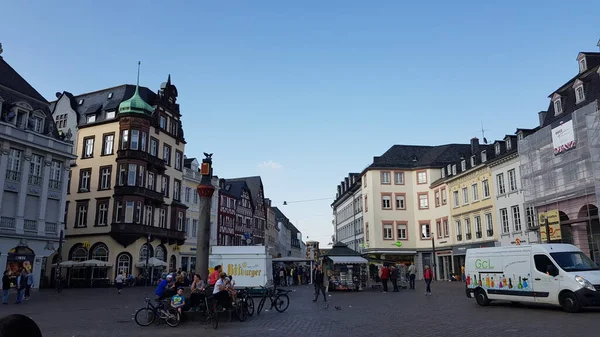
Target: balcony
[[128, 233], [30, 226], [468, 236], [153, 161], [8, 223], [54, 184], [490, 232], [51, 228], [459, 238], [140, 192]]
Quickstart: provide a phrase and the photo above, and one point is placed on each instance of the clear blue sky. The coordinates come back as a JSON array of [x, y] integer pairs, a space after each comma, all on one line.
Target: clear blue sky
[[316, 87]]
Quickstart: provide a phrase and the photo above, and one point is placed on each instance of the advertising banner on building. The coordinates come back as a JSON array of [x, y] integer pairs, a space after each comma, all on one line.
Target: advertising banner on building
[[553, 219], [563, 135]]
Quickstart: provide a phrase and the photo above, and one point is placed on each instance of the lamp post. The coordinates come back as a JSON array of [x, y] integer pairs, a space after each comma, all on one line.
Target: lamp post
[[547, 225], [58, 261], [148, 260], [205, 191], [433, 259]]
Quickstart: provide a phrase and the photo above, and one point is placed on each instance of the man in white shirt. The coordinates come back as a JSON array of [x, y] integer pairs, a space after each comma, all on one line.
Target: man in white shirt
[[119, 282]]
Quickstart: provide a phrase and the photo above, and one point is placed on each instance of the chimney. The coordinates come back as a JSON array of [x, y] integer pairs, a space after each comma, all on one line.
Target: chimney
[[542, 117], [268, 202], [221, 183], [339, 187], [474, 145]]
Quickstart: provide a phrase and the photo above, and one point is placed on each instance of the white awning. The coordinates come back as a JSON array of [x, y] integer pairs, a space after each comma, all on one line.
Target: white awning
[[347, 259]]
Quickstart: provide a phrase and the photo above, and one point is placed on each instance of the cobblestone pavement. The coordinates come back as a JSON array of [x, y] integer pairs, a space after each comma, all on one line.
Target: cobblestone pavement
[[101, 312]]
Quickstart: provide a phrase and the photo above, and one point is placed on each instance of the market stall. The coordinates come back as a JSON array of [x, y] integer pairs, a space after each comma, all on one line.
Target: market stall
[[345, 268]]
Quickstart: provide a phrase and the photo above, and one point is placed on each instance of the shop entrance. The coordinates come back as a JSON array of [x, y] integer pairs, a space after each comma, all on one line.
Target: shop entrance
[[19, 258]]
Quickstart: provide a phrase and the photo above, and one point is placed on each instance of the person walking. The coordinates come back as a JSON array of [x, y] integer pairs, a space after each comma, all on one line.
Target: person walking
[[428, 276], [119, 280], [318, 280], [29, 285], [394, 278], [21, 285], [5, 287], [412, 273], [384, 274]]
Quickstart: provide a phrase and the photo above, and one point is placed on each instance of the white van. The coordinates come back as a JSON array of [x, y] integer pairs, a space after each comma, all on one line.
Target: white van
[[557, 274]]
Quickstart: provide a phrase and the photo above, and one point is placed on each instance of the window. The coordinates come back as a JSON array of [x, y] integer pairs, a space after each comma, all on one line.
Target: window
[[81, 216], [366, 204], [486, 188], [475, 192], [151, 182], [36, 123], [582, 65], [530, 217], [14, 165], [385, 177], [180, 221], [129, 207], [489, 224], [124, 264], [456, 199], [105, 173], [178, 160], [483, 156], [122, 174], [542, 262], [35, 170], [148, 216], [88, 147], [423, 201], [444, 196], [425, 231], [446, 228], [504, 221], [400, 201], [186, 229], [579, 94], [143, 141], [135, 139], [512, 180], [188, 193], [165, 185], [162, 223], [508, 144], [497, 148], [118, 211], [437, 198], [167, 154], [91, 119], [468, 228], [55, 175], [478, 230], [463, 165], [102, 212], [438, 228], [110, 114], [520, 135], [163, 122], [399, 178], [61, 121], [141, 176], [500, 183], [176, 189], [85, 176], [138, 212], [401, 232], [131, 174], [386, 202], [108, 141], [422, 177], [387, 232], [472, 161], [465, 193], [557, 107], [124, 139], [443, 172], [516, 217], [196, 198], [194, 227], [458, 230], [154, 146]]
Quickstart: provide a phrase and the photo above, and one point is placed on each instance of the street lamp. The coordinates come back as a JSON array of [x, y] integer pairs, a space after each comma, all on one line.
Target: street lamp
[[147, 260], [547, 225], [433, 259]]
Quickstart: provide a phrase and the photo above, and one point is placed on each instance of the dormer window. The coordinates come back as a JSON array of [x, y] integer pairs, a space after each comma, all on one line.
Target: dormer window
[[557, 106], [497, 148], [483, 156], [454, 169], [579, 94], [508, 144], [110, 114], [91, 119], [582, 65], [80, 102], [472, 161], [520, 136], [449, 168], [110, 95], [443, 173], [463, 165]]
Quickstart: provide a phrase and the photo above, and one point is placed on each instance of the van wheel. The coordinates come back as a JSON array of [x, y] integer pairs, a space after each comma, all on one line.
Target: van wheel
[[569, 302], [481, 298]]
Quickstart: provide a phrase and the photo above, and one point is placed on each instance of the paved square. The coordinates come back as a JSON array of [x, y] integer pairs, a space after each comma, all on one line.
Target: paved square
[[101, 312]]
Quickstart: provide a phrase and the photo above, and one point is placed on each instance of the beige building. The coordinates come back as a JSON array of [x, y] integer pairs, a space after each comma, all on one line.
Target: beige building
[[401, 210], [125, 189]]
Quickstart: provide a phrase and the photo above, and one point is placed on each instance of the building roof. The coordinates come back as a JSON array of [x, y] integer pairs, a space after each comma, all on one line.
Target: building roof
[[11, 79], [187, 162], [341, 249], [254, 184], [418, 156], [235, 189], [135, 104]]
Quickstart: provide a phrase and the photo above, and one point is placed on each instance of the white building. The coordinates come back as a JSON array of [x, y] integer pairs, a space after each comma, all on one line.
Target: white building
[[34, 164], [348, 213], [284, 241], [514, 220]]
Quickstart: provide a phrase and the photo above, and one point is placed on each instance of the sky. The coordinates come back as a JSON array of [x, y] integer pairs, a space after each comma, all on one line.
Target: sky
[[302, 93]]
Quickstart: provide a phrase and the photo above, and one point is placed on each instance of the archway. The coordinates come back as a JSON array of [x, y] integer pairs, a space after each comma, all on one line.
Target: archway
[[590, 213], [161, 253], [123, 263], [99, 251], [173, 263], [565, 230], [146, 251]]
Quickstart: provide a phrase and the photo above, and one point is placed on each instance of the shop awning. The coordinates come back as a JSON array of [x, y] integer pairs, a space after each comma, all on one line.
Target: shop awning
[[347, 259]]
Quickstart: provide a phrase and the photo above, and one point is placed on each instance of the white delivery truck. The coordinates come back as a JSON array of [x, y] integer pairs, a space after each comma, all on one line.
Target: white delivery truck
[[557, 274], [250, 266]]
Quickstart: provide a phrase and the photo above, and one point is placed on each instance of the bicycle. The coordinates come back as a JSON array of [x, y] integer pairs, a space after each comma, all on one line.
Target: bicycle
[[280, 300], [170, 316], [244, 294], [208, 308]]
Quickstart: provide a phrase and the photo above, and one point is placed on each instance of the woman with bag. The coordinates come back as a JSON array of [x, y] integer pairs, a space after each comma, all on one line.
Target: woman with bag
[[428, 276]]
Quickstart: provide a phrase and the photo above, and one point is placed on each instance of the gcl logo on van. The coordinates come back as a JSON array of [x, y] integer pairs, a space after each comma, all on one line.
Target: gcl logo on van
[[483, 264]]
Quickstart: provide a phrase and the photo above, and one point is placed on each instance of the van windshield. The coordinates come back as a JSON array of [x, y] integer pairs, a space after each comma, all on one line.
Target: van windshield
[[574, 261]]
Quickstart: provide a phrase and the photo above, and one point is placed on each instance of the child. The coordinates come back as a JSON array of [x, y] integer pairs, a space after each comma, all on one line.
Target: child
[[178, 301]]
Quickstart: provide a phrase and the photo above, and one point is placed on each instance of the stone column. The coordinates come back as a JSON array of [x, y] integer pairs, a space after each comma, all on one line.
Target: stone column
[[4, 153], [44, 195], [205, 191], [23, 191]]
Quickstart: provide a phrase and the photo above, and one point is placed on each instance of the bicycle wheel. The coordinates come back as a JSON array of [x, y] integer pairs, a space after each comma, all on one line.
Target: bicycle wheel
[[282, 302], [173, 318], [260, 306], [145, 316], [214, 319], [249, 305], [241, 311]]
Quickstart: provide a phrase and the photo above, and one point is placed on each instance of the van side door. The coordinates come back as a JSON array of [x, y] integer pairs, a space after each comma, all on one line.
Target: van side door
[[545, 281]]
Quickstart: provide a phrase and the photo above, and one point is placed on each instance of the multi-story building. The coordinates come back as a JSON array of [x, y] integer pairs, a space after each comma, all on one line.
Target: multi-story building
[[191, 180], [244, 210], [34, 160], [398, 216], [227, 216], [471, 197], [559, 162], [347, 210], [313, 251], [285, 234], [125, 191], [272, 230], [515, 223], [296, 241], [259, 221]]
